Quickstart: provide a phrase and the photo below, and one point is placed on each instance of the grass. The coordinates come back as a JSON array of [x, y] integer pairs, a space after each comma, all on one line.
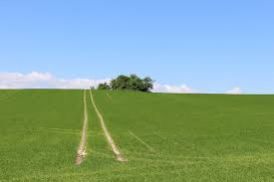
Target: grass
[[165, 137]]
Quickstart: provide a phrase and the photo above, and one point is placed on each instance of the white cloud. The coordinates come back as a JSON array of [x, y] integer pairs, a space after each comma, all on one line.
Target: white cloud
[[235, 90], [13, 80], [43, 80], [172, 88]]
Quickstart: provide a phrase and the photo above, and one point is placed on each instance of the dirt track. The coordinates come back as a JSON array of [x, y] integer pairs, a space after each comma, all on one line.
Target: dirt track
[[81, 152], [119, 156]]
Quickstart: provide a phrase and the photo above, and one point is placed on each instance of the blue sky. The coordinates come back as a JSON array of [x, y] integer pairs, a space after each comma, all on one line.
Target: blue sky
[[211, 46]]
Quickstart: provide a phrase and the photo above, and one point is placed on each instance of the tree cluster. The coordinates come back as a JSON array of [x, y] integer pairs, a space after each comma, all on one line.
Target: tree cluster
[[132, 82]]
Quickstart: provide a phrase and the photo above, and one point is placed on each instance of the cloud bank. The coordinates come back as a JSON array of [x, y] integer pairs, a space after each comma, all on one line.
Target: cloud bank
[[235, 90], [44, 80], [172, 88], [13, 80]]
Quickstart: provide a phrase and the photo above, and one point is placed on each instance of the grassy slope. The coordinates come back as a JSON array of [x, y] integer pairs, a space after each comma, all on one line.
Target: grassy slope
[[40, 132], [195, 137], [39, 135]]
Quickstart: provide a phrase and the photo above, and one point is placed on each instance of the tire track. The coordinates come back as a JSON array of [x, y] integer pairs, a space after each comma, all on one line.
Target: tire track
[[142, 142], [119, 156], [109, 97], [81, 152]]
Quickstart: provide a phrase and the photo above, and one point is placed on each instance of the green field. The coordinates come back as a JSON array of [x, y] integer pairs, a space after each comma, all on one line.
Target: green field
[[164, 137]]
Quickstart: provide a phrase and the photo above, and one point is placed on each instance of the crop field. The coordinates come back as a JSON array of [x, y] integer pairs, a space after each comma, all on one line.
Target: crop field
[[130, 136]]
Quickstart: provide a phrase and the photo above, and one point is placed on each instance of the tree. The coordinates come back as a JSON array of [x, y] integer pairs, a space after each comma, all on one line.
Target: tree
[[132, 82], [147, 84], [135, 83], [103, 86], [120, 83]]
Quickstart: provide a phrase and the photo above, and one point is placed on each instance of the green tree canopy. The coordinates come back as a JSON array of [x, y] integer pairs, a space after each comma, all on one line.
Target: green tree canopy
[[132, 82], [103, 86]]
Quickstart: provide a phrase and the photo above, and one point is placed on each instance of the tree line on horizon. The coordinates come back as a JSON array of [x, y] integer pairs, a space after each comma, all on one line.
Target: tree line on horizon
[[132, 82]]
